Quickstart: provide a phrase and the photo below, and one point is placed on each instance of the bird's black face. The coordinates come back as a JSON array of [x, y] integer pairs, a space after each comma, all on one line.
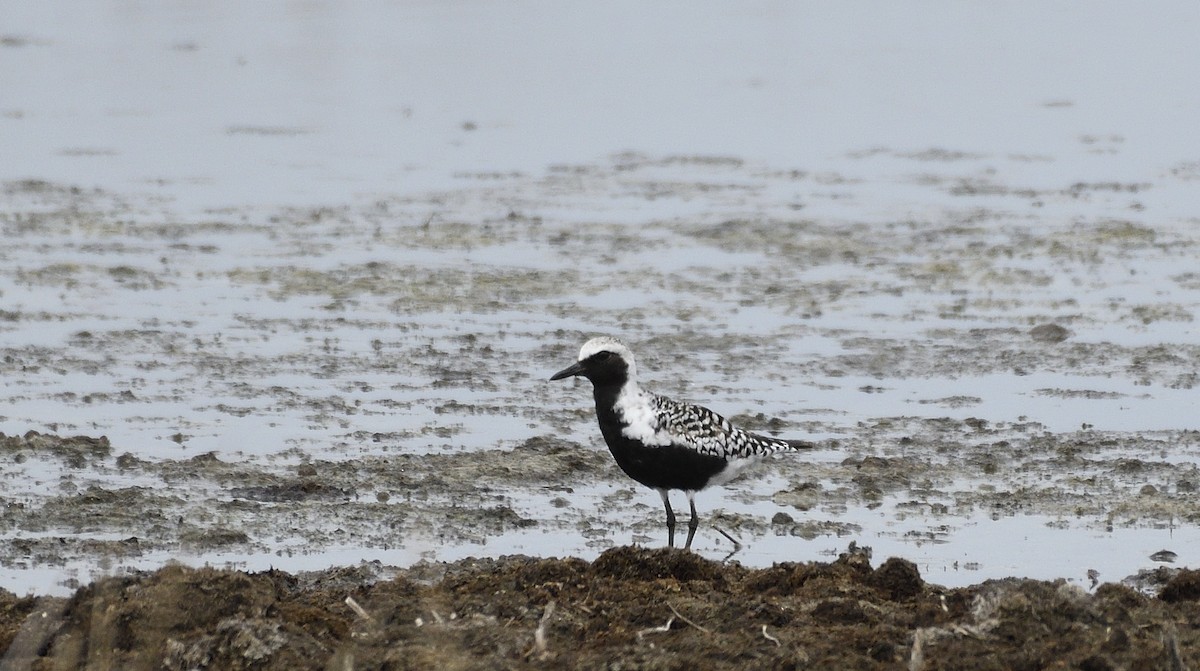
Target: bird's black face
[[602, 368]]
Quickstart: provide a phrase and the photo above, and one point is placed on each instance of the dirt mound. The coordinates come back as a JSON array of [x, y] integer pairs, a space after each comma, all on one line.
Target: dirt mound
[[632, 608]]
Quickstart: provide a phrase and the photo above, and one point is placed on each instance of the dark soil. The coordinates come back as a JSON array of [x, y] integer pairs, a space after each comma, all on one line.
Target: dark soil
[[631, 608]]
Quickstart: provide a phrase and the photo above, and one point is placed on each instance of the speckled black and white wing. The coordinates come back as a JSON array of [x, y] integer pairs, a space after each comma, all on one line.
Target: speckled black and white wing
[[706, 432]]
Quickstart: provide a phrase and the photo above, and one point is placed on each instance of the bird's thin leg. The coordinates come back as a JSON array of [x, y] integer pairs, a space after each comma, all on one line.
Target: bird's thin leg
[[692, 523], [670, 518]]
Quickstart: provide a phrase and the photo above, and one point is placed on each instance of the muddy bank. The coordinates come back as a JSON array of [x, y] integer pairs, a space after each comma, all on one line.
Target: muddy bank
[[631, 608]]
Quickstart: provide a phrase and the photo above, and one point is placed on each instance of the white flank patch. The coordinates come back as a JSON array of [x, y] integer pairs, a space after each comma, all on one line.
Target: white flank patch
[[733, 468]]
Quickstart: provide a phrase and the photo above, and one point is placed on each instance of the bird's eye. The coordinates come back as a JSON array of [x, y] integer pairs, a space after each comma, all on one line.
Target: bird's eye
[[603, 356]]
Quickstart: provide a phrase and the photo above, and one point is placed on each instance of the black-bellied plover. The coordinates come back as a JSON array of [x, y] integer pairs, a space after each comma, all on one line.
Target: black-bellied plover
[[661, 443]]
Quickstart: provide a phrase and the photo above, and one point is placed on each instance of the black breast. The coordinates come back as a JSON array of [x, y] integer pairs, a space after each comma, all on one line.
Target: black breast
[[666, 467]]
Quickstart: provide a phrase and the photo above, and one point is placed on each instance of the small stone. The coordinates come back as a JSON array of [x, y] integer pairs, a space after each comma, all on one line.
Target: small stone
[[1051, 333], [1164, 556]]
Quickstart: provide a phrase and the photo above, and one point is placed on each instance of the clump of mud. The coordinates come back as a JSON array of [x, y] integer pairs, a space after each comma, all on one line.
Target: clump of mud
[[631, 608], [74, 452]]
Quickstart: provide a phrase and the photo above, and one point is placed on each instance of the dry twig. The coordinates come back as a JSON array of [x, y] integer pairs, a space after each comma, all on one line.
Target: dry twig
[[656, 630], [681, 617], [539, 634], [736, 545], [771, 638], [358, 610]]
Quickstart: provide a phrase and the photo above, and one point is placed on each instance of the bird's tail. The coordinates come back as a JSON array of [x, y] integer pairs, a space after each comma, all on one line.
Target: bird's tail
[[801, 444]]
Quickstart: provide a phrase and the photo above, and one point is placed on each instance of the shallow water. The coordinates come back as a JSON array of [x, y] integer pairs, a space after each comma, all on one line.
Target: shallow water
[[306, 235]]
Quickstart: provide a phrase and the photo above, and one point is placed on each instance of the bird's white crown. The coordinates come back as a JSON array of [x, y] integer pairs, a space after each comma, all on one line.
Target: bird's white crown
[[609, 344]]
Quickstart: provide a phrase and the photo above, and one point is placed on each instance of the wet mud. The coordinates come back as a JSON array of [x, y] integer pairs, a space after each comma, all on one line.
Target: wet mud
[[270, 395], [205, 506], [630, 608]]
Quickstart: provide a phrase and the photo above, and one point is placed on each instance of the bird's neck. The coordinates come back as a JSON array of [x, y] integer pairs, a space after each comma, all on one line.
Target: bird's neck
[[614, 400]]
